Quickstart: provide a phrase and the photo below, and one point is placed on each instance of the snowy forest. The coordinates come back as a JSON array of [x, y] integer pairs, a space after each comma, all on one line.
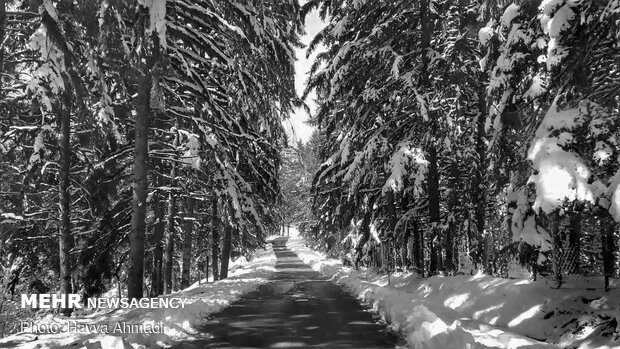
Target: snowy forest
[[463, 136], [134, 133], [142, 145]]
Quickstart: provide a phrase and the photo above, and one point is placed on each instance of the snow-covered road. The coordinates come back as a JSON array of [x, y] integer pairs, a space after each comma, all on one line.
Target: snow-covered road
[[299, 308]]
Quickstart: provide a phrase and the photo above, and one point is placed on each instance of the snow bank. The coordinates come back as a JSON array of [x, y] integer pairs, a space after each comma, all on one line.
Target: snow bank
[[178, 324], [478, 311]]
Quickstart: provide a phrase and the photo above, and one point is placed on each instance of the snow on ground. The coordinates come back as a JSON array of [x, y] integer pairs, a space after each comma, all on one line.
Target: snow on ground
[[178, 324], [466, 312]]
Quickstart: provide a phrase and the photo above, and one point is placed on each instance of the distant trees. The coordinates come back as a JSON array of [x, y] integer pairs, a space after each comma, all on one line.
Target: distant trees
[[299, 163], [461, 135], [168, 118]]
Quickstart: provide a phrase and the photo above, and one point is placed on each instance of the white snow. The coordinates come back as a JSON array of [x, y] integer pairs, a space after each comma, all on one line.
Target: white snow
[[537, 88], [524, 227], [560, 21], [561, 176], [157, 14], [405, 157], [341, 27], [510, 13], [485, 34], [179, 324], [476, 311], [614, 190]]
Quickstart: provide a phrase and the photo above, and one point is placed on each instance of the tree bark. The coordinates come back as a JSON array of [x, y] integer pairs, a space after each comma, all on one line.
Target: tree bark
[[574, 241], [2, 37], [187, 245], [478, 191], [65, 196], [169, 240], [135, 274], [607, 237], [433, 209], [140, 170], [554, 228], [391, 213], [433, 170], [171, 214], [453, 202], [215, 238], [418, 249], [365, 231], [226, 247], [157, 285]]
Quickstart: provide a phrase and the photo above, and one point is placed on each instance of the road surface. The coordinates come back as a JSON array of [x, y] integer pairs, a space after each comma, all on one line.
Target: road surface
[[298, 309]]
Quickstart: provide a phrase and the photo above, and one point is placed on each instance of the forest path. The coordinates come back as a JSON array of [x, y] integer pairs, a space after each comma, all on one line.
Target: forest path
[[298, 309]]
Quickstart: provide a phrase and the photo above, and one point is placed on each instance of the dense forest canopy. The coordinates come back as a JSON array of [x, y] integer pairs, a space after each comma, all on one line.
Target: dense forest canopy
[[142, 146], [469, 135], [140, 140]]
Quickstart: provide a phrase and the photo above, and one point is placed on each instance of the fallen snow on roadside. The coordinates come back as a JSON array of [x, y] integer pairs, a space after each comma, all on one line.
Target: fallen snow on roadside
[[178, 324], [466, 312]]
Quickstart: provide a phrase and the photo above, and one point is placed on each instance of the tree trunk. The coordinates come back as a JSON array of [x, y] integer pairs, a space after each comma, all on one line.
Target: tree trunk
[[171, 214], [418, 249], [453, 202], [169, 242], [187, 244], [391, 212], [433, 170], [226, 247], [140, 169], [215, 239], [135, 274], [2, 37], [607, 237], [479, 196], [365, 230], [207, 269], [65, 196], [404, 250], [433, 209], [157, 284], [554, 229], [574, 241]]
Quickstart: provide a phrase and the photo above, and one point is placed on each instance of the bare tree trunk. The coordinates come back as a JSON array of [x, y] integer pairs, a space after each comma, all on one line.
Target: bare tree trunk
[[157, 285], [171, 214], [433, 209], [391, 212], [135, 274], [450, 265], [207, 269], [226, 247], [554, 228], [65, 196], [215, 238], [140, 169], [574, 241], [187, 244], [169, 242], [607, 237], [479, 196], [418, 249], [407, 243]]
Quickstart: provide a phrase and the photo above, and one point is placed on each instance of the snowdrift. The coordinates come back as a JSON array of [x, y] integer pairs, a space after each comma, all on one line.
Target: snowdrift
[[178, 324], [480, 311]]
